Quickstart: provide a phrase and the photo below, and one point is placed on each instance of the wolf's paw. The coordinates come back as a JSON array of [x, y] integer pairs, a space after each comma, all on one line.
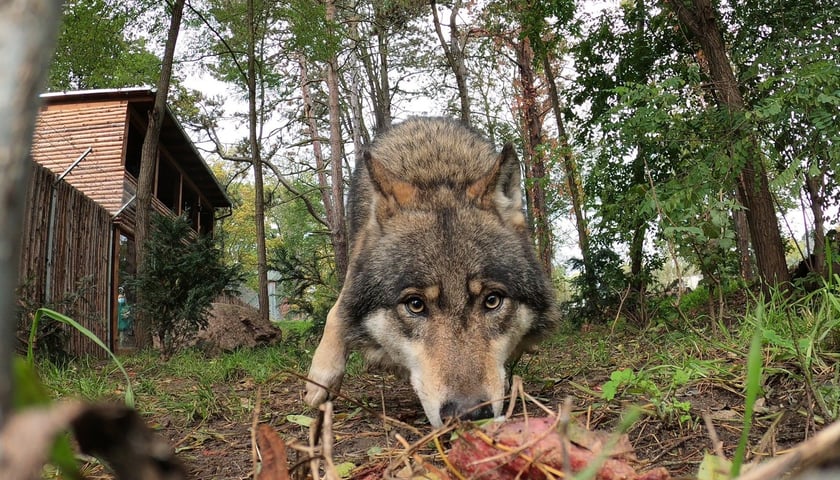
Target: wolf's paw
[[320, 384], [315, 395]]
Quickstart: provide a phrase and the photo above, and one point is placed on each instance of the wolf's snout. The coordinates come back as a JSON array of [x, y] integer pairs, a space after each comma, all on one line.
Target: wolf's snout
[[466, 410]]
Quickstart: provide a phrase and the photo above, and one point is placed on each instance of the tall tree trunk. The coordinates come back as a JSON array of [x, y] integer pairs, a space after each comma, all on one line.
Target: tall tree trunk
[[27, 39], [454, 51], [742, 240], [383, 92], [256, 161], [701, 20], [148, 164], [536, 176], [814, 185], [356, 112], [312, 127], [570, 167], [376, 74], [638, 284], [338, 228]]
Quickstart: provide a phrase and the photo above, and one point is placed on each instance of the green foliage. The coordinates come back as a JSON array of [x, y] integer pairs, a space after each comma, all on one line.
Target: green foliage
[[755, 368], [303, 258], [51, 337], [30, 391], [94, 50], [58, 317], [658, 385], [312, 35], [596, 296], [182, 276], [802, 330]]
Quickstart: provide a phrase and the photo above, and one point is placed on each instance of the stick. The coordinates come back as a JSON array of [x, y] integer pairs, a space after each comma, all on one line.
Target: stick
[[822, 446]]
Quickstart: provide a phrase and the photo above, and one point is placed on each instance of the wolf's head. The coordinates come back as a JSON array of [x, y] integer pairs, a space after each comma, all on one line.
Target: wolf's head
[[444, 281]]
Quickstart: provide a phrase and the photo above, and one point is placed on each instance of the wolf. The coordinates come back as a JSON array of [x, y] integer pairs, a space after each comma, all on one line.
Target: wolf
[[443, 281]]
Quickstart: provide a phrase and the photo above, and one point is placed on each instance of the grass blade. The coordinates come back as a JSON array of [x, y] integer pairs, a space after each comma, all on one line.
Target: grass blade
[[60, 317]]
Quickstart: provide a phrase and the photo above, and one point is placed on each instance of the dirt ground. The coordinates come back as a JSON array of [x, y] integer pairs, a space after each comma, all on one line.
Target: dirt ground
[[221, 448]]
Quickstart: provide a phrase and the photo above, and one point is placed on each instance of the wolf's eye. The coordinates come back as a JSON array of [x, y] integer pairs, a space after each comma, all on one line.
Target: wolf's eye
[[415, 305], [492, 301]]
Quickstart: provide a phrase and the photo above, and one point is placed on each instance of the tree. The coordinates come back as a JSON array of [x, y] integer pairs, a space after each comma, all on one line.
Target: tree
[[182, 276], [546, 42], [302, 256], [537, 178], [454, 50], [338, 224], [240, 54], [701, 20], [94, 50], [320, 43], [256, 161], [149, 158], [503, 23], [793, 104]]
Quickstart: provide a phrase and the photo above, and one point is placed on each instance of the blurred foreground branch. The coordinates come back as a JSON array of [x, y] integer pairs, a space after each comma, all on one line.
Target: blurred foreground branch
[[27, 38]]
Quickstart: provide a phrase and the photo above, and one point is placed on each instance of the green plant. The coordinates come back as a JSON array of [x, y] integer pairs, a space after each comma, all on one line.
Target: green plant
[[627, 382], [753, 387], [51, 337], [183, 274], [802, 330], [46, 312]]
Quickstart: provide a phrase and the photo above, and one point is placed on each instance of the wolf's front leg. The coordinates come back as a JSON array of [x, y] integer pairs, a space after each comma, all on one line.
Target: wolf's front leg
[[329, 361]]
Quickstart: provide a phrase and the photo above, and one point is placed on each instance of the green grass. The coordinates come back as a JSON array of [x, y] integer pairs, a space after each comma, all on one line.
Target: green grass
[[793, 339], [190, 387]]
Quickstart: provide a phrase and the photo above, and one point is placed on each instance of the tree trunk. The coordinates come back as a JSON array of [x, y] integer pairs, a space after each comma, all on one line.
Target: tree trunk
[[536, 176], [256, 161], [27, 39], [383, 92], [638, 285], [814, 184], [454, 52], [573, 182], [148, 164], [742, 241], [377, 74], [753, 187], [337, 227], [356, 112]]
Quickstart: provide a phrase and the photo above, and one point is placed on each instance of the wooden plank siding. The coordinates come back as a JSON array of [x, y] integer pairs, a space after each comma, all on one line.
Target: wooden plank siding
[[81, 256], [64, 132]]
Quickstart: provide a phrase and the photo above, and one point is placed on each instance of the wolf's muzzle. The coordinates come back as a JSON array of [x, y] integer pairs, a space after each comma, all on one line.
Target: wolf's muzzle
[[466, 410]]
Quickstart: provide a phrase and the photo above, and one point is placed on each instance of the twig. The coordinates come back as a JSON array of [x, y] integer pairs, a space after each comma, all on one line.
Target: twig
[[255, 451], [717, 445], [516, 389], [327, 441], [822, 446], [565, 418], [314, 436]]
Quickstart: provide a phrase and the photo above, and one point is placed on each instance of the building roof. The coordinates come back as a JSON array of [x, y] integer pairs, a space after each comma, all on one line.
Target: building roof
[[173, 136]]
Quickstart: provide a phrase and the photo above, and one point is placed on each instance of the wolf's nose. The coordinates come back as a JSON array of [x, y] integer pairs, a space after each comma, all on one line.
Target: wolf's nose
[[472, 411]]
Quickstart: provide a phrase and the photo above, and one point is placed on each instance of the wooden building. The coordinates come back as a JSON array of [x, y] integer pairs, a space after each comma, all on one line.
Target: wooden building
[[77, 241]]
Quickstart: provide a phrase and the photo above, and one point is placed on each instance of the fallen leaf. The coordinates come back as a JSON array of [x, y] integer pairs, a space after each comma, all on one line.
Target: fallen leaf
[[301, 420], [275, 464]]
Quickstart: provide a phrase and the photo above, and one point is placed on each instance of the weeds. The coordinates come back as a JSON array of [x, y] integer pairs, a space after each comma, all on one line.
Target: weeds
[[802, 330]]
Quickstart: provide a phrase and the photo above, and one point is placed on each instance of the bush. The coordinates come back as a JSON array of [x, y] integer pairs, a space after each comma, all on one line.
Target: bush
[[182, 275]]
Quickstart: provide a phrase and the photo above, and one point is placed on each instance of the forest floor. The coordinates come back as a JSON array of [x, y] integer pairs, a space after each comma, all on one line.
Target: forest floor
[[205, 406]]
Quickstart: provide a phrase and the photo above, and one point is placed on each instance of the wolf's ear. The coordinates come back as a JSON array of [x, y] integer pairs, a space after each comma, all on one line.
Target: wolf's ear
[[501, 189], [392, 192]]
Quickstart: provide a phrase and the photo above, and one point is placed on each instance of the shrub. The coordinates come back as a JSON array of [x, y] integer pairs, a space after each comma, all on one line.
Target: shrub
[[182, 275]]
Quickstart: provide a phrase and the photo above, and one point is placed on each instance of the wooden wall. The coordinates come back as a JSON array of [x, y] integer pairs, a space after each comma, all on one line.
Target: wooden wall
[[65, 131], [82, 234]]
